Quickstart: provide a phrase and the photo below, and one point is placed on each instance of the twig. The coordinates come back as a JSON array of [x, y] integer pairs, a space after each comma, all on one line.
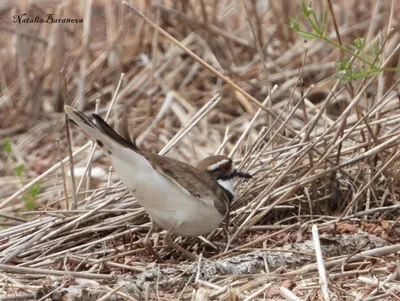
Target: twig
[[23, 270], [111, 293], [71, 164], [323, 280], [63, 176], [288, 294]]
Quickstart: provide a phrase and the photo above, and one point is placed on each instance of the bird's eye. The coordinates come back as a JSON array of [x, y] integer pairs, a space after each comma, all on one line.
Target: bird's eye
[[226, 166]]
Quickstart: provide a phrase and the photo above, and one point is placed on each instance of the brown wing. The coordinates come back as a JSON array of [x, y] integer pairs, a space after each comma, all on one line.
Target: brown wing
[[177, 172]]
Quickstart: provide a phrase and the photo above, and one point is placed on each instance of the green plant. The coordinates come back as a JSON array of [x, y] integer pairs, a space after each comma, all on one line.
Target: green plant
[[347, 70], [29, 197]]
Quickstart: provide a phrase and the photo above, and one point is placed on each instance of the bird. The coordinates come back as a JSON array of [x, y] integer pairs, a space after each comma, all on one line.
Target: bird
[[182, 199]]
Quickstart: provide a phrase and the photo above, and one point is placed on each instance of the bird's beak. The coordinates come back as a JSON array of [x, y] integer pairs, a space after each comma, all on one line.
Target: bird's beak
[[241, 174]]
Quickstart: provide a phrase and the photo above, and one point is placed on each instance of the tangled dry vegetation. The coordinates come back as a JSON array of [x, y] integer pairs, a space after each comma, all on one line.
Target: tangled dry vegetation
[[318, 221]]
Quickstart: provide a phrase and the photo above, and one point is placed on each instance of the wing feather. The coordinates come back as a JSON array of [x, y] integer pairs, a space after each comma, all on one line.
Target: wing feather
[[194, 183]]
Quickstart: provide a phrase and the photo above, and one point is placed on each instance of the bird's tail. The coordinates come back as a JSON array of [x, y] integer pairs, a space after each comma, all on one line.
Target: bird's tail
[[102, 133]]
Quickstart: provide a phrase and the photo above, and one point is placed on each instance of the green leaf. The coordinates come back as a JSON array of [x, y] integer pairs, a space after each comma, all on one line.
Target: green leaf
[[374, 48], [294, 23], [19, 170], [307, 35], [359, 43], [316, 24], [7, 148], [34, 191], [324, 22], [307, 9], [343, 65], [361, 73], [29, 204], [30, 196]]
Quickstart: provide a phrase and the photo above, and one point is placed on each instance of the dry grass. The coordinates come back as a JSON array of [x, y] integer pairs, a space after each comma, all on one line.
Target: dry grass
[[322, 152]]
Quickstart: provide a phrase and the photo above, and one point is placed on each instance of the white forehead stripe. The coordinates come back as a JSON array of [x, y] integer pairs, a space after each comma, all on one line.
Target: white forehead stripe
[[218, 164]]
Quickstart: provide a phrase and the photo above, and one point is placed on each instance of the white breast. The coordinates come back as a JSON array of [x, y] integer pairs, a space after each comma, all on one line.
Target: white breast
[[227, 184], [166, 203]]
